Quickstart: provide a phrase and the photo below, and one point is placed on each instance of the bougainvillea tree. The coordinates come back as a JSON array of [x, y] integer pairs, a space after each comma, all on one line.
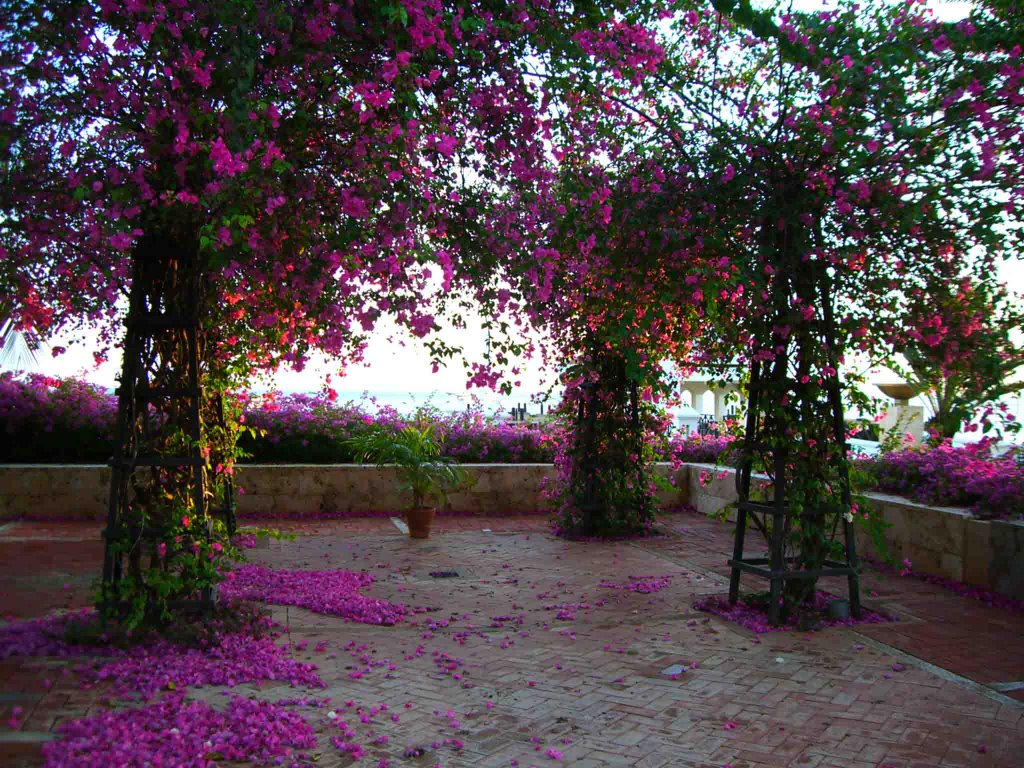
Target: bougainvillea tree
[[809, 166], [592, 253], [610, 283], [284, 173], [960, 351], [621, 299], [842, 154]]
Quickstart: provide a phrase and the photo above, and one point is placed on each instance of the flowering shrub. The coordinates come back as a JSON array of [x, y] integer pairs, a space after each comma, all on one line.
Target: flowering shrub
[[312, 429], [181, 166], [969, 477], [702, 449], [603, 481], [43, 419], [46, 420], [469, 437]]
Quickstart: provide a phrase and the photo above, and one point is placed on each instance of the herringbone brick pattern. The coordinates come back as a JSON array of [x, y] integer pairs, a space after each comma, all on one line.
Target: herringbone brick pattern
[[525, 652]]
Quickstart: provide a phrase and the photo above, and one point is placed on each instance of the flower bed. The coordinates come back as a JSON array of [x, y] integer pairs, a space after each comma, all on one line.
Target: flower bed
[[703, 449], [67, 421], [312, 430], [47, 420], [971, 477]]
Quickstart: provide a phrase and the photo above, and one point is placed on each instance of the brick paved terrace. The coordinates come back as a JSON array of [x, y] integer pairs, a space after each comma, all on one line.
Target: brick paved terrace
[[524, 652]]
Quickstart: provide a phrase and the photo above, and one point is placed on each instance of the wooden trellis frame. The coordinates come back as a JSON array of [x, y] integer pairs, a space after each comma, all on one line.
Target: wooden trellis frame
[[159, 388], [766, 435]]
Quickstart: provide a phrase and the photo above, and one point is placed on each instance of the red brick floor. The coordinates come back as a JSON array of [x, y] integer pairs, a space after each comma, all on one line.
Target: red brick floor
[[956, 633], [827, 699]]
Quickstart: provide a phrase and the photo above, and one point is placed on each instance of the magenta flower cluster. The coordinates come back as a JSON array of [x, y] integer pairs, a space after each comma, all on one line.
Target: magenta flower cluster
[[187, 734], [308, 428], [48, 420], [335, 593], [971, 476]]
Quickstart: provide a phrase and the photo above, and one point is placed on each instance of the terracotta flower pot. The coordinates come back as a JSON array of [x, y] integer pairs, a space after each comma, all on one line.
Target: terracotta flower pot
[[419, 521]]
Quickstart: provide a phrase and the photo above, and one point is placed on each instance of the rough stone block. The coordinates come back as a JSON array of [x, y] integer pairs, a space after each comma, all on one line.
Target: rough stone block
[[1008, 557], [929, 561], [255, 503], [979, 554]]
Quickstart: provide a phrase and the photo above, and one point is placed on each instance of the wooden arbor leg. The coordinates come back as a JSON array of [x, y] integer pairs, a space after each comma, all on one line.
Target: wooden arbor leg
[[777, 579], [161, 367], [853, 580], [737, 555], [839, 432], [778, 543], [743, 482]]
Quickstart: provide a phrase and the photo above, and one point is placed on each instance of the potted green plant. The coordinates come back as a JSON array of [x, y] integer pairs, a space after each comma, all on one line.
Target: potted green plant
[[424, 472]]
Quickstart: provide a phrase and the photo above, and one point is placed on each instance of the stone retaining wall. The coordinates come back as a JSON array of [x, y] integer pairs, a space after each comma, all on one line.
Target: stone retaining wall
[[943, 541], [286, 490]]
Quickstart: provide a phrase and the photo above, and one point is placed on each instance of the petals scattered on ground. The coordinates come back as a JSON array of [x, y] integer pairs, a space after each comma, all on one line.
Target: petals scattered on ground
[[645, 585], [754, 615], [45, 636], [234, 660], [182, 733], [335, 593], [142, 670]]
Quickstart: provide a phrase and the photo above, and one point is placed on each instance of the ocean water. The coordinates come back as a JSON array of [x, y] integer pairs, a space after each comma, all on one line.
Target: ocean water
[[491, 403]]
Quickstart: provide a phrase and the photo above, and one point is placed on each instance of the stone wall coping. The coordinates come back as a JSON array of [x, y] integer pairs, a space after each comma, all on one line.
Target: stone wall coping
[[876, 495]]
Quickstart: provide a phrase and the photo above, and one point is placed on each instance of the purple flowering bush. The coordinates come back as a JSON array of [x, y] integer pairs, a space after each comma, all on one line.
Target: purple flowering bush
[[313, 429], [54, 421], [703, 449], [306, 429], [46, 420], [970, 476], [469, 437]]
